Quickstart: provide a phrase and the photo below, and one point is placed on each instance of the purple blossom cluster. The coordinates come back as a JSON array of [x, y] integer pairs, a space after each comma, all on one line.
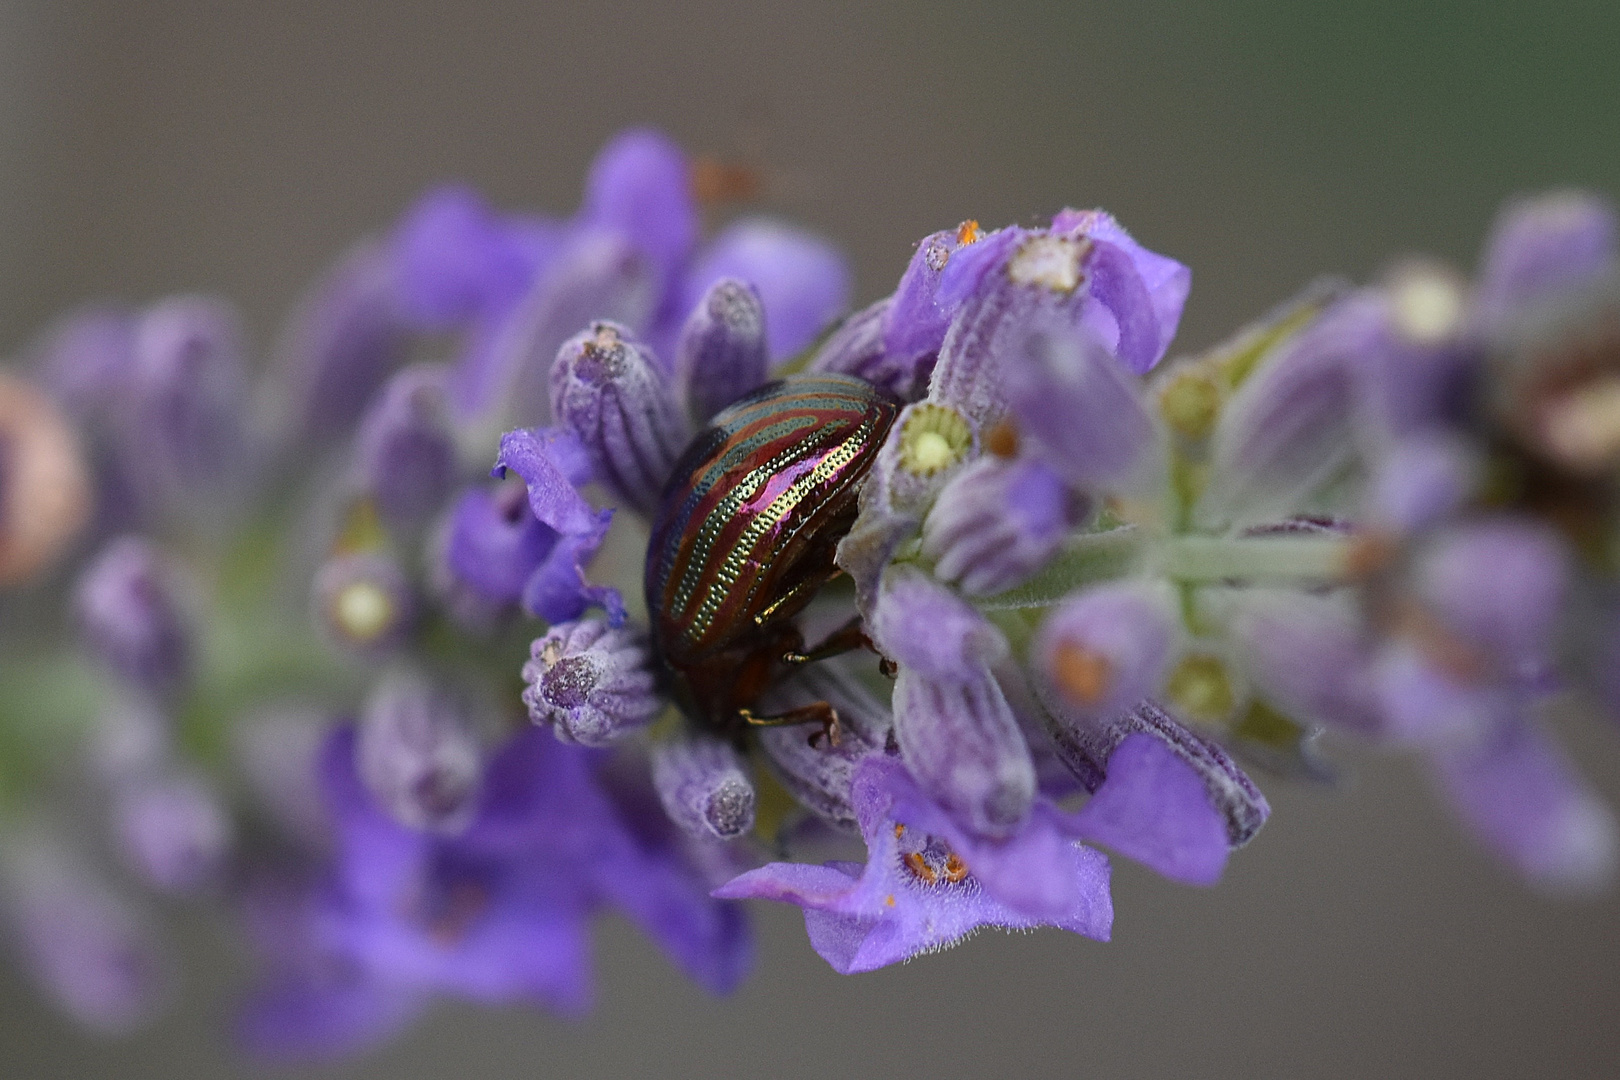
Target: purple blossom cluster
[[415, 722]]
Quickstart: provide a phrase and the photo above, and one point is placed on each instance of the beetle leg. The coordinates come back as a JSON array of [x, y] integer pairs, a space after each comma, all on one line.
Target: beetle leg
[[819, 712], [846, 638]]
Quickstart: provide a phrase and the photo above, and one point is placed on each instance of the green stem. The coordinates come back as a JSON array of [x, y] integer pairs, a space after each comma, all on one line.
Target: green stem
[[1291, 558], [1085, 559]]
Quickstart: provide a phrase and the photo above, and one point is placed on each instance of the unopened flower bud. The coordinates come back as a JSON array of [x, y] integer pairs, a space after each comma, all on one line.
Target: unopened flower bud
[[704, 787], [961, 741], [599, 275], [1544, 246], [406, 450], [131, 613], [592, 684], [721, 354], [172, 830], [1086, 742], [1499, 584], [44, 488], [419, 755], [921, 624], [91, 952], [189, 382], [1523, 798], [343, 339], [1107, 648], [1082, 413], [997, 522], [1309, 655], [1288, 427], [803, 281], [607, 390], [363, 603]]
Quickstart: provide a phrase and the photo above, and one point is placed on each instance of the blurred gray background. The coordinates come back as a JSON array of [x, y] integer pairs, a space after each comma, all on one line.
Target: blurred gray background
[[151, 147]]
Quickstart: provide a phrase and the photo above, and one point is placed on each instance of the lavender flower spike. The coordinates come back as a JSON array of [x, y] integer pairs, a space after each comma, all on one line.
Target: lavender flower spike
[[704, 787], [592, 684], [132, 618], [721, 355], [960, 740], [607, 389], [418, 754]]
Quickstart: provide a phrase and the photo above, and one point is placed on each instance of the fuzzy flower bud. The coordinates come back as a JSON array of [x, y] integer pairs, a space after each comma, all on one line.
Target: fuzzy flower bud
[[1544, 246], [961, 741], [1084, 415], [173, 831], [407, 451], [704, 787], [590, 683], [721, 355], [189, 385], [923, 625], [1108, 647], [419, 755], [997, 522], [91, 952], [607, 389], [1288, 427], [132, 617]]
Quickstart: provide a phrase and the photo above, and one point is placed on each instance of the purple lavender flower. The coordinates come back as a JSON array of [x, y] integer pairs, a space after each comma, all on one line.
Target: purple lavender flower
[[593, 684], [132, 617], [802, 280], [90, 950], [612, 395], [346, 335], [363, 604], [997, 522], [497, 914], [548, 564], [1108, 647], [406, 452], [704, 787], [173, 830], [721, 354], [917, 892], [419, 753]]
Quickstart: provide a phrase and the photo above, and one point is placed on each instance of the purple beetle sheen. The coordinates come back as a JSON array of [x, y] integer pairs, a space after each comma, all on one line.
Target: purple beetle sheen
[[744, 537]]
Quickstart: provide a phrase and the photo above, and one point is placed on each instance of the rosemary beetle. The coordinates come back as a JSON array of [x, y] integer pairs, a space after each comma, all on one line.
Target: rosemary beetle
[[744, 537]]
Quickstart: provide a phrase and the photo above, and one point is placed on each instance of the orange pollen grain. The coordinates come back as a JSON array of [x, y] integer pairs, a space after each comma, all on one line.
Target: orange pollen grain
[[969, 232], [889, 900], [955, 868], [916, 864], [1084, 675], [1002, 439], [899, 830]]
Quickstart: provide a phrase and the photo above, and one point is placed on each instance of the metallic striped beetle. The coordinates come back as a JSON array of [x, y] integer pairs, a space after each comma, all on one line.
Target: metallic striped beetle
[[745, 535]]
